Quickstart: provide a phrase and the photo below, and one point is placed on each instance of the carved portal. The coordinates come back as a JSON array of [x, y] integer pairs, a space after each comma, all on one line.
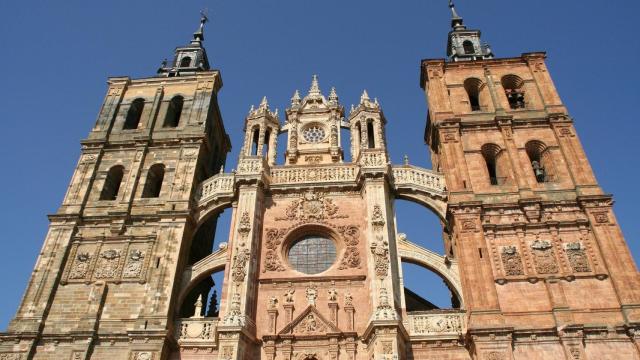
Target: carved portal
[[544, 256], [512, 261]]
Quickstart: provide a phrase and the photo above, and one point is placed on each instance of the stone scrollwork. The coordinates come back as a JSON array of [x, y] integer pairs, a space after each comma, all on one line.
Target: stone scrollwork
[[380, 251], [494, 355], [544, 256], [273, 240], [10, 356], [577, 257], [142, 355], [351, 257], [245, 225], [512, 261], [234, 317]]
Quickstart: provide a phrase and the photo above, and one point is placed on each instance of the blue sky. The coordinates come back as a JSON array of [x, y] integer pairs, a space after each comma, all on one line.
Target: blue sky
[[59, 54]]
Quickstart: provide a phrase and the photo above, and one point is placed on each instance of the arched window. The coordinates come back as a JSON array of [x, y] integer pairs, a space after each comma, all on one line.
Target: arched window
[[174, 111], [473, 87], [185, 62], [513, 89], [112, 183], [358, 135], [541, 161], [254, 142], [371, 135], [134, 114], [495, 160], [155, 176], [468, 47]]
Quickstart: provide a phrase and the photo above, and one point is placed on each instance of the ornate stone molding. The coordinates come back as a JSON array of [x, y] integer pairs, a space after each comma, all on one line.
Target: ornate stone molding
[[440, 324]]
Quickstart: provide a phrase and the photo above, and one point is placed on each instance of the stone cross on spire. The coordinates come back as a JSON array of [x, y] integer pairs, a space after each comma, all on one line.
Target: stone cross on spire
[[199, 34], [456, 20]]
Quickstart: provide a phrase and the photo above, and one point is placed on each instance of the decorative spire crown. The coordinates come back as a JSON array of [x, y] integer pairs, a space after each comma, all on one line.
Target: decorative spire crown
[[199, 34], [456, 20], [464, 44], [314, 90]]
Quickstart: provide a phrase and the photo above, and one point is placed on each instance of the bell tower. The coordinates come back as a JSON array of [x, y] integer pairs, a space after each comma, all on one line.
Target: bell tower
[[540, 252], [106, 282]]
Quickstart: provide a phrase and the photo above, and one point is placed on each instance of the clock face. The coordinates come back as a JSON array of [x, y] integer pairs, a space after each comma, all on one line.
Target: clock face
[[313, 134]]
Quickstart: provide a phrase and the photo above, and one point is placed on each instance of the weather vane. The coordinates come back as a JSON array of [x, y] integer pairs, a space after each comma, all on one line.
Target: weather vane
[[204, 15]]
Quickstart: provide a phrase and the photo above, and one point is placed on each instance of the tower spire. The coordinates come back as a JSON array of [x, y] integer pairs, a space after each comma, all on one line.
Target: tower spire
[[456, 20], [199, 34], [464, 44], [314, 90]]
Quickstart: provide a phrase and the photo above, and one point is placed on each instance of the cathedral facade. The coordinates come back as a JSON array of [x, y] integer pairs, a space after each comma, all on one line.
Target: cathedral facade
[[534, 259]]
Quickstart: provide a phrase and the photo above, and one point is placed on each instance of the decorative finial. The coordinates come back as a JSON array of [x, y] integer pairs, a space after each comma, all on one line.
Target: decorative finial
[[314, 90], [352, 108], [295, 99], [264, 104], [198, 307], [333, 95], [364, 97], [406, 159], [252, 109]]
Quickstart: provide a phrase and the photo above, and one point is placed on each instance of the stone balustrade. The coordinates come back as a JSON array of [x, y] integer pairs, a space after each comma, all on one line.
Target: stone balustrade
[[413, 176], [283, 175], [437, 323], [196, 330], [216, 186]]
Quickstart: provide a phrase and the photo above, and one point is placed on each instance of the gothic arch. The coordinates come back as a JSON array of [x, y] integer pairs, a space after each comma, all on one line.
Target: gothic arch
[[446, 268]]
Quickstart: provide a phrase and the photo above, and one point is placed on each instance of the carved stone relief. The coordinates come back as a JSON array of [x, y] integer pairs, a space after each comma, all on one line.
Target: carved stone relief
[[436, 324], [240, 259], [108, 264], [494, 355], [380, 251], [512, 261], [80, 265], [377, 220], [544, 256], [234, 316], [273, 240], [577, 257], [311, 294], [142, 355], [311, 205], [134, 265], [351, 257], [310, 324], [384, 311], [10, 356]]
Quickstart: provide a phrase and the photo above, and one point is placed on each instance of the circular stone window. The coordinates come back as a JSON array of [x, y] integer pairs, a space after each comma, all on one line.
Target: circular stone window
[[313, 134], [312, 254]]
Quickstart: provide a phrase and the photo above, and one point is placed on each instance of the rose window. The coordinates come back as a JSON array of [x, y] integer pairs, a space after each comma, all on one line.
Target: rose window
[[313, 134], [312, 254]]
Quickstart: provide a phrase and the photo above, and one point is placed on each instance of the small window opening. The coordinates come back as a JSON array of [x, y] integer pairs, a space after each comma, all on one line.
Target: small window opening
[[492, 154], [152, 187], [174, 111], [254, 143], [513, 88], [112, 183], [467, 45], [540, 159], [185, 62], [370, 135], [134, 114], [473, 87]]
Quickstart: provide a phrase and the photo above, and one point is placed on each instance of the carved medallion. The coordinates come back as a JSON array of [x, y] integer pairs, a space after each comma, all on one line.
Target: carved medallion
[[512, 261]]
